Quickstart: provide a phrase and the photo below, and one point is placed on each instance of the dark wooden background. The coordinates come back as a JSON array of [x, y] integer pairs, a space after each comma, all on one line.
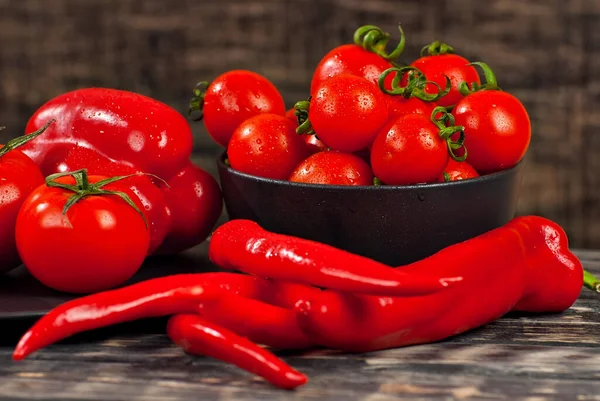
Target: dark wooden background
[[547, 52]]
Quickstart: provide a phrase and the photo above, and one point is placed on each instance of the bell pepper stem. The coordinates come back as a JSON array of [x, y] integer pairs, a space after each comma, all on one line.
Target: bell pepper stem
[[590, 281]]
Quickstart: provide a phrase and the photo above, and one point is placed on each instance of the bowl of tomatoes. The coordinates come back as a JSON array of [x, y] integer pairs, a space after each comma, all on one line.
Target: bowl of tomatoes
[[390, 162]]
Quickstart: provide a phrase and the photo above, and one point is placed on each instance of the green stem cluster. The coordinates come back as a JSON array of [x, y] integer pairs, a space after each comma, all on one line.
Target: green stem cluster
[[196, 105], [415, 86], [445, 122], [490, 81], [83, 188], [375, 40]]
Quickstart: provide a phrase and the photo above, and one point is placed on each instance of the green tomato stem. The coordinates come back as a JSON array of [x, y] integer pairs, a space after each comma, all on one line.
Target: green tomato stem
[[21, 140]]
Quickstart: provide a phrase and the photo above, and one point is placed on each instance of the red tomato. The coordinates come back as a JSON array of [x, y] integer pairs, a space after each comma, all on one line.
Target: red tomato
[[99, 244], [126, 127], [333, 168], [146, 195], [347, 112], [313, 143], [456, 171], [194, 198], [349, 60], [398, 106], [234, 97], [497, 129], [409, 150], [266, 145], [19, 177], [455, 67]]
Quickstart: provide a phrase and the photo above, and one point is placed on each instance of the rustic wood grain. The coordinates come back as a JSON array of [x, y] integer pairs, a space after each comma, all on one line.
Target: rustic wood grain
[[547, 52], [542, 357]]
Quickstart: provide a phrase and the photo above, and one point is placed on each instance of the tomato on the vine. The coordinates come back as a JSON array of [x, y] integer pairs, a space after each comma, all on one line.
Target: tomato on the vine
[[412, 149], [266, 145], [441, 62], [333, 168], [347, 112], [399, 106], [365, 58], [497, 126], [81, 234], [232, 98], [457, 171]]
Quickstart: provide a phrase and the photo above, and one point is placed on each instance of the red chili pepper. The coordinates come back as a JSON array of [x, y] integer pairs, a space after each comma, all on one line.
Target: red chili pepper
[[525, 265], [245, 246], [126, 127], [158, 297], [262, 323], [198, 336]]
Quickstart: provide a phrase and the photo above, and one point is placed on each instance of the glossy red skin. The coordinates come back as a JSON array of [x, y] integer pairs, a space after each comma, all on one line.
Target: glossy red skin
[[100, 243], [127, 127], [19, 177], [409, 150], [399, 106], [267, 146], [349, 60], [313, 143], [202, 337], [146, 195], [497, 129], [451, 65], [347, 112], [457, 171], [194, 200], [528, 261], [234, 97], [333, 168]]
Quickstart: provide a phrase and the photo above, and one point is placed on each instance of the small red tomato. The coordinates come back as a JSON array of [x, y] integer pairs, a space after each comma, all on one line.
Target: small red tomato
[[195, 202], [333, 168], [436, 66], [399, 106], [313, 143], [456, 171], [234, 97], [266, 145], [497, 129], [349, 60], [98, 244], [347, 112], [409, 150]]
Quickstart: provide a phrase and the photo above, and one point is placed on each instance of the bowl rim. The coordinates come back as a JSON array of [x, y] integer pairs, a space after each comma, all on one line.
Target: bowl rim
[[425, 186]]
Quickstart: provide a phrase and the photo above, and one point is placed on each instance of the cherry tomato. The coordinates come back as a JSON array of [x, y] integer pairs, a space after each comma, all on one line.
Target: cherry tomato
[[347, 112], [456, 171], [195, 202], [313, 143], [497, 129], [333, 168], [99, 244], [409, 150], [398, 106], [266, 145], [146, 195], [349, 60], [234, 97], [455, 67]]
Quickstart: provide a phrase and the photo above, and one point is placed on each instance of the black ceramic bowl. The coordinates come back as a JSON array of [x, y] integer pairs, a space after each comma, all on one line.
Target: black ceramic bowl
[[392, 224]]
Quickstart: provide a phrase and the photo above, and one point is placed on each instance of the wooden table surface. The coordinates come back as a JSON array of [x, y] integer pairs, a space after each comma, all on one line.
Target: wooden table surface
[[555, 357]]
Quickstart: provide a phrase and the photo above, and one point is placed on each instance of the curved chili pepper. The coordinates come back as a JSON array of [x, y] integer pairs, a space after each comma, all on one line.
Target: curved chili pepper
[[157, 297], [198, 336], [245, 246], [525, 265], [260, 322]]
